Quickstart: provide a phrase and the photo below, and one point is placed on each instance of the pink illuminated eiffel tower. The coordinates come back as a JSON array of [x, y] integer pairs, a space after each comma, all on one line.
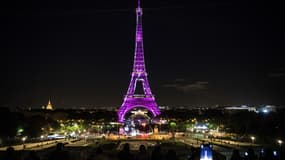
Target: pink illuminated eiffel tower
[[139, 74]]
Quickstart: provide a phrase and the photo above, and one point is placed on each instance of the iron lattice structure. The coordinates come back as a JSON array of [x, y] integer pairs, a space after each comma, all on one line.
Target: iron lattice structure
[[139, 74]]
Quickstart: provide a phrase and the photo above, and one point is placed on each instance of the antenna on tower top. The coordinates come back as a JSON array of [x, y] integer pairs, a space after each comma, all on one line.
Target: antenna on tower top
[[139, 3], [139, 9]]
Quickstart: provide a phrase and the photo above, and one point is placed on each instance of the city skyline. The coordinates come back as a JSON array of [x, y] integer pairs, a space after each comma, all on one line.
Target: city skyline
[[197, 53]]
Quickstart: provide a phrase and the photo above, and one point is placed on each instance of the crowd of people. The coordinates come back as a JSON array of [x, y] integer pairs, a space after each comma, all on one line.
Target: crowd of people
[[266, 154], [125, 154]]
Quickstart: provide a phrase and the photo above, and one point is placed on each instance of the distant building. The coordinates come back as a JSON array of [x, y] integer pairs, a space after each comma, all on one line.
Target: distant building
[[266, 109], [49, 106], [164, 107], [259, 109], [240, 108]]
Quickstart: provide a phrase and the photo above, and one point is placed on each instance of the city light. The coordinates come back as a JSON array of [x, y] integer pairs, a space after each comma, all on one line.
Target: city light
[[20, 131], [127, 129], [252, 139], [143, 124], [133, 133], [206, 152], [280, 142], [201, 127], [265, 111], [24, 139]]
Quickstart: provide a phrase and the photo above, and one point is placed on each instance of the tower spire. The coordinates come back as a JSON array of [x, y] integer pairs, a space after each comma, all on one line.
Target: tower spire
[[139, 64], [139, 4]]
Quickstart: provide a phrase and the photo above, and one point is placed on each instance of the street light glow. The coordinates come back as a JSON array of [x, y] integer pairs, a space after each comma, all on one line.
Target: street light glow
[[24, 139], [279, 142], [252, 138], [265, 111]]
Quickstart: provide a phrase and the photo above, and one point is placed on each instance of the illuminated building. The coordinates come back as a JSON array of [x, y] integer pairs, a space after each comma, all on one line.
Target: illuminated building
[[266, 109], [241, 108], [139, 74], [49, 106]]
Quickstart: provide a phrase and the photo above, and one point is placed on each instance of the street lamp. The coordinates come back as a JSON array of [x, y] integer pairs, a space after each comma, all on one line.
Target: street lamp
[[42, 137], [24, 139], [252, 138], [280, 142]]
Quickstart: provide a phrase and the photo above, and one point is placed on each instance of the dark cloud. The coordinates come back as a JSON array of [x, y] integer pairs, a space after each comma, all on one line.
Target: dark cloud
[[188, 87], [277, 72], [276, 75]]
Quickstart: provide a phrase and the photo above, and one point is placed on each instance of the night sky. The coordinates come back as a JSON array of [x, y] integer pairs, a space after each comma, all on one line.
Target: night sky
[[197, 53]]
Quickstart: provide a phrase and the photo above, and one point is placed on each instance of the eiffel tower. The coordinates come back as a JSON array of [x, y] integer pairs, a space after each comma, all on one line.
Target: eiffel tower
[[139, 75]]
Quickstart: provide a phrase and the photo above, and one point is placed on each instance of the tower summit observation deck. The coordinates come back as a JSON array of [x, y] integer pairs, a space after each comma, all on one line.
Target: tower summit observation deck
[[139, 75]]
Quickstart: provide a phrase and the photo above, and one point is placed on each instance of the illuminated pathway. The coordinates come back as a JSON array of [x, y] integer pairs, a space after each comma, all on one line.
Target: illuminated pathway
[[36, 145], [232, 144]]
